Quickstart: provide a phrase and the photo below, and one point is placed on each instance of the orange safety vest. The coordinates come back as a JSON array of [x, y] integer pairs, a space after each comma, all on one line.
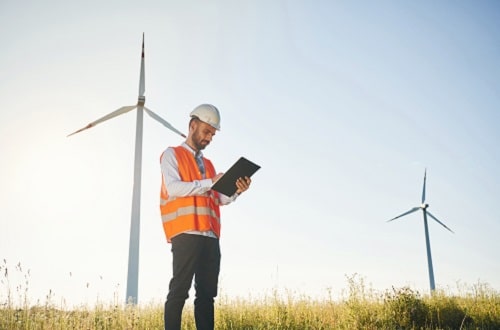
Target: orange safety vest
[[200, 212]]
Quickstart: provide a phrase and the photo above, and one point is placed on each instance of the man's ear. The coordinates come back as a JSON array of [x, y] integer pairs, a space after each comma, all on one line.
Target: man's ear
[[193, 124]]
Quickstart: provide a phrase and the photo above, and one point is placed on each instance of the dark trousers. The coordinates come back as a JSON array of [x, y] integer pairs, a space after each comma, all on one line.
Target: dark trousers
[[198, 256]]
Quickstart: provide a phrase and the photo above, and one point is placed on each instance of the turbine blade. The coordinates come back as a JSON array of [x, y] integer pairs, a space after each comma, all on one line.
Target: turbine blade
[[423, 191], [442, 224], [164, 122], [407, 212], [115, 113], [142, 87]]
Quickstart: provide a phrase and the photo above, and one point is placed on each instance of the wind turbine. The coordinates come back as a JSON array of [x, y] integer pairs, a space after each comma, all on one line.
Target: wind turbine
[[423, 206], [133, 256]]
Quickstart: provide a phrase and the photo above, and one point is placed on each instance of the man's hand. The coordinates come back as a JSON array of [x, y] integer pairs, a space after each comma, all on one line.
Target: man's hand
[[243, 184], [217, 177]]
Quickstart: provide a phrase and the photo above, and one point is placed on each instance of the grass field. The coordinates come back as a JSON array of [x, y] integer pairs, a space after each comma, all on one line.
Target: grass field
[[360, 307]]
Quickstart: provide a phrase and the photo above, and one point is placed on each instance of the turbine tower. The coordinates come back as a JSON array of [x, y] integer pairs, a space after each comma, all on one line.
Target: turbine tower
[[423, 206], [133, 256]]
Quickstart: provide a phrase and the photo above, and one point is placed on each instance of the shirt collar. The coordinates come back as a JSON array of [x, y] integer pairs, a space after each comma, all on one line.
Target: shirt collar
[[199, 153]]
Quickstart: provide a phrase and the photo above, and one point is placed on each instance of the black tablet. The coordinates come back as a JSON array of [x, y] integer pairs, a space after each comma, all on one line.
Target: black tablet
[[227, 183]]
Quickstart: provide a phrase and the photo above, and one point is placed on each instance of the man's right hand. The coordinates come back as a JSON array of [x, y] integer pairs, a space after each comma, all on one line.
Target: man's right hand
[[217, 177]]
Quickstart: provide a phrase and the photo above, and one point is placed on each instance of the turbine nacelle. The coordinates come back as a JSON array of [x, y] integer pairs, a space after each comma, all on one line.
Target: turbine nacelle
[[141, 101], [424, 206]]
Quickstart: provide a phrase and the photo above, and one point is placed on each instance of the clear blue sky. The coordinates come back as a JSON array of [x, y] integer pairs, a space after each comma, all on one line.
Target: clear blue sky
[[342, 103]]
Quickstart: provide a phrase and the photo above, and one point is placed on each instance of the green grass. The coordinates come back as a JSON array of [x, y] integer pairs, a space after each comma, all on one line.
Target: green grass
[[359, 307]]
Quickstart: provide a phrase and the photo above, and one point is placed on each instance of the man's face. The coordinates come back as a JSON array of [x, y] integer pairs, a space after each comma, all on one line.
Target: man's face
[[202, 134]]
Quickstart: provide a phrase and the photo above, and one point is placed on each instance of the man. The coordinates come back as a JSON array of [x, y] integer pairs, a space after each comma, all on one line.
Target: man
[[191, 219]]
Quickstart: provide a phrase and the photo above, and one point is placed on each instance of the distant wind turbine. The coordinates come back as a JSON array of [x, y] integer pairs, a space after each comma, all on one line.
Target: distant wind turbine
[[133, 257], [424, 207]]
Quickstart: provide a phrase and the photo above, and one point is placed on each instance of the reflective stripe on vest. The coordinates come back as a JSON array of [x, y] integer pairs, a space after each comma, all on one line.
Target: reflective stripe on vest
[[187, 210], [200, 212]]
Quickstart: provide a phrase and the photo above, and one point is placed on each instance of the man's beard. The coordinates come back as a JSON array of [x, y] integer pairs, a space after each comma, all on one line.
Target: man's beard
[[199, 143]]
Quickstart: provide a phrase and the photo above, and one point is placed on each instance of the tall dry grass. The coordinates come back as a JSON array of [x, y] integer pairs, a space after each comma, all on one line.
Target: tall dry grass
[[359, 307]]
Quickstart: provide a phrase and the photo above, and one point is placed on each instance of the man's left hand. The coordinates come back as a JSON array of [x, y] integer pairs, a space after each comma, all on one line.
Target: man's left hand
[[243, 184]]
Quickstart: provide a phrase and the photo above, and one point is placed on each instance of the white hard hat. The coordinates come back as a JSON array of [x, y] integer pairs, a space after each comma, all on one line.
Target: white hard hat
[[207, 113]]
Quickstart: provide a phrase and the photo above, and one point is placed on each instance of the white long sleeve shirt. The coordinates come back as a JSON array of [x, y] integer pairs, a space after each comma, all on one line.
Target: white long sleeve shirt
[[178, 188]]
